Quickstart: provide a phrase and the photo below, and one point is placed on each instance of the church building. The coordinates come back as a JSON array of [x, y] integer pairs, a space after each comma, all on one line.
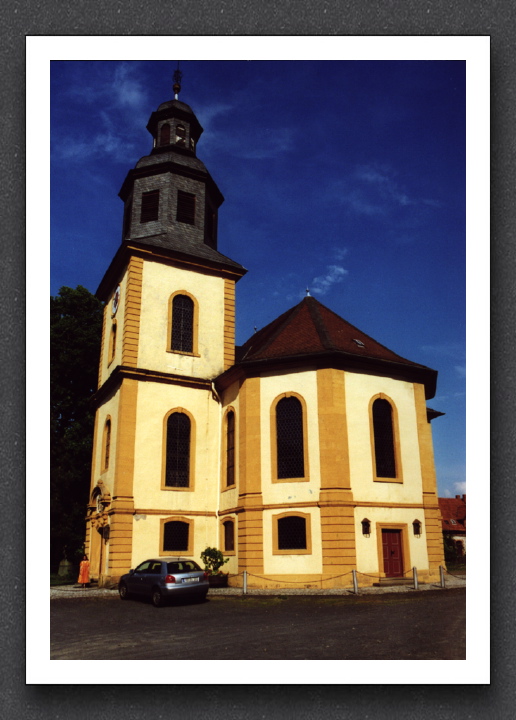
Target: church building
[[304, 454]]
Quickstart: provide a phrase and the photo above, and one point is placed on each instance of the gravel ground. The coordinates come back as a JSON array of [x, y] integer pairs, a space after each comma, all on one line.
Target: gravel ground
[[452, 581]]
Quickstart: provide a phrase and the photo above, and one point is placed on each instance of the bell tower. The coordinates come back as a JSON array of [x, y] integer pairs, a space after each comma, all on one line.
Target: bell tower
[[169, 331]]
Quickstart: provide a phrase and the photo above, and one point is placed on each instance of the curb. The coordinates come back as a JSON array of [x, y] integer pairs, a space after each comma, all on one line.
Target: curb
[[67, 591]]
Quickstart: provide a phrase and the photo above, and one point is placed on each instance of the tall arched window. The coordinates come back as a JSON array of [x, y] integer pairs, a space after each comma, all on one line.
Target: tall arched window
[[230, 448], [177, 473], [112, 342], [106, 444], [229, 536], [289, 438], [182, 323], [164, 137], [383, 430]]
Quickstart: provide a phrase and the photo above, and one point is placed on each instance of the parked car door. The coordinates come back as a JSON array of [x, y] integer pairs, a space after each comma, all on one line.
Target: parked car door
[[136, 581], [150, 576]]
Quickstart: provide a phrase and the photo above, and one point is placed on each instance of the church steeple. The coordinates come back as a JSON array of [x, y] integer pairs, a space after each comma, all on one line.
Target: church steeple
[[170, 198]]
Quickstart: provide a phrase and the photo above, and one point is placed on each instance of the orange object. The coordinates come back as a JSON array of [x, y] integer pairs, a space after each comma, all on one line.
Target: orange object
[[84, 572]]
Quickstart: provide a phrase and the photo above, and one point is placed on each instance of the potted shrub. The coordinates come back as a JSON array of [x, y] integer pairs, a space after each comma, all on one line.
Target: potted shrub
[[213, 560]]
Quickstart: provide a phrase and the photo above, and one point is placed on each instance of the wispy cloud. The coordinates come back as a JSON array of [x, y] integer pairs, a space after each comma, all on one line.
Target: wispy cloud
[[375, 190], [450, 350], [120, 91], [461, 370], [322, 284]]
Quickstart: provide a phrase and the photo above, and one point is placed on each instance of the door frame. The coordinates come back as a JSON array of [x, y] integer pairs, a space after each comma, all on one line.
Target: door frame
[[403, 527]]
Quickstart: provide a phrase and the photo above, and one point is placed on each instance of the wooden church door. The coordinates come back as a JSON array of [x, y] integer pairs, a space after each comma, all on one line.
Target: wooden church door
[[392, 553]]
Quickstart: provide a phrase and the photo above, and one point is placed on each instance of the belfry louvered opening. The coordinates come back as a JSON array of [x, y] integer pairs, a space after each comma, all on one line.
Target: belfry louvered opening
[[150, 206], [164, 137], [383, 429], [182, 323], [177, 472], [185, 207], [289, 438]]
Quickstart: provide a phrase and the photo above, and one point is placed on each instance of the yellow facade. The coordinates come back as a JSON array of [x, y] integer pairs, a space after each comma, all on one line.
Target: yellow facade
[[234, 475]]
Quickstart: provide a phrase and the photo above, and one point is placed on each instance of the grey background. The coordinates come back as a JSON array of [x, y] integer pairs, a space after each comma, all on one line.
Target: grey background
[[268, 17]]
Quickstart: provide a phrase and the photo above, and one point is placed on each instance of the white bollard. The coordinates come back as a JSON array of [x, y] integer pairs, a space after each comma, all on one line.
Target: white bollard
[[355, 583], [441, 571], [245, 583], [416, 584]]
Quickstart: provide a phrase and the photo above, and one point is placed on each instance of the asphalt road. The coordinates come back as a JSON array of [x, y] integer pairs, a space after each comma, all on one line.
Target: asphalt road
[[411, 626]]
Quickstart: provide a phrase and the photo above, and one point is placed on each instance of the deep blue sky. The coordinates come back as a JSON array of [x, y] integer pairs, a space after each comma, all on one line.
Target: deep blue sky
[[345, 177]]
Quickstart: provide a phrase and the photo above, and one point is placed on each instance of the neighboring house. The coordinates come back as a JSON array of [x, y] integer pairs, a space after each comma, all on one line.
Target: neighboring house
[[453, 512], [304, 455]]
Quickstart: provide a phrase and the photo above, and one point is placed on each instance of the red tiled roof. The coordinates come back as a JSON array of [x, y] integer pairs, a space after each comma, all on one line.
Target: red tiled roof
[[311, 328], [453, 509]]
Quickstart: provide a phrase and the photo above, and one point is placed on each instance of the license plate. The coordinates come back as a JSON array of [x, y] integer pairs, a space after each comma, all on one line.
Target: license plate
[[190, 580]]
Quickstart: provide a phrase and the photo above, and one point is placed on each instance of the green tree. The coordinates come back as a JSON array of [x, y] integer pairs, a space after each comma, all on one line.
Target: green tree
[[75, 333]]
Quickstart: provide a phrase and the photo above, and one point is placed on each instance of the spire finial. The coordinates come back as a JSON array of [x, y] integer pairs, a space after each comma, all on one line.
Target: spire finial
[[308, 293], [176, 87]]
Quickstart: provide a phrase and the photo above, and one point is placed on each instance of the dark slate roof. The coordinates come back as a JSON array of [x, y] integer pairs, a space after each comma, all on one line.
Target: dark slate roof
[[311, 328], [187, 247], [453, 509]]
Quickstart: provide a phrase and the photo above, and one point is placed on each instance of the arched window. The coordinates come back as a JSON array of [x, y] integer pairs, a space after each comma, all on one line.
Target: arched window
[[181, 135], [383, 430], [230, 448], [164, 137], [289, 438], [176, 536], [106, 444], [182, 323], [112, 343], [229, 536], [177, 473]]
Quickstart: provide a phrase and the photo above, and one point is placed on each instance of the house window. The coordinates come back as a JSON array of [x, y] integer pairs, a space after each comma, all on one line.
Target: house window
[[229, 536], [230, 448], [182, 324], [289, 438], [177, 472], [185, 207], [291, 534], [150, 206], [181, 135], [383, 430], [106, 445], [176, 536], [164, 138]]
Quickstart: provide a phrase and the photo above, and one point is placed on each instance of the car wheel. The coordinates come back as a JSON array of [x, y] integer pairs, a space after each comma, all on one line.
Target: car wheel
[[157, 597], [123, 591]]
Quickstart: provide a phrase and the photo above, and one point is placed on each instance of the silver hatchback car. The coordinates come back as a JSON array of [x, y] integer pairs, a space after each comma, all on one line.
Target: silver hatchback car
[[162, 579]]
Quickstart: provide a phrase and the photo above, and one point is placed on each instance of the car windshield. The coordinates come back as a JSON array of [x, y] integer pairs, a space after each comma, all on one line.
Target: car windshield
[[183, 566]]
